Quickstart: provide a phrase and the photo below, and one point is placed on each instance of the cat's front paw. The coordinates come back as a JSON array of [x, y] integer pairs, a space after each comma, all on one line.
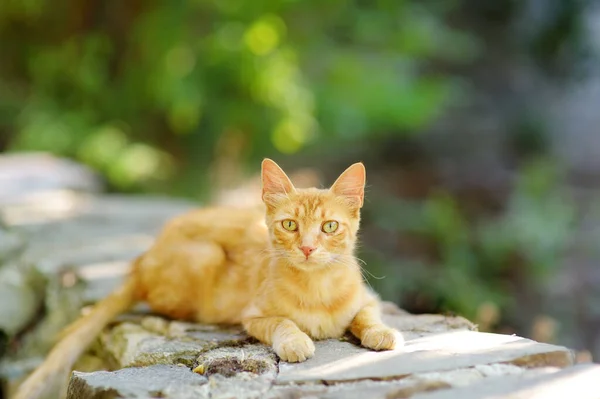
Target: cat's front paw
[[295, 348], [382, 338]]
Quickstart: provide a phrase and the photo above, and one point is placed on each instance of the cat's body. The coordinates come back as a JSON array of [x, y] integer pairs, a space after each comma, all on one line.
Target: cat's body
[[197, 272], [288, 278]]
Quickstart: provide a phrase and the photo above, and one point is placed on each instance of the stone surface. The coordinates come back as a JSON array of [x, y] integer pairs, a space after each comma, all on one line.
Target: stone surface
[[405, 387], [131, 345], [24, 174], [82, 255], [443, 354], [580, 381], [231, 365], [97, 238], [156, 341], [20, 285], [160, 381], [20, 297], [11, 244], [78, 247], [343, 361]]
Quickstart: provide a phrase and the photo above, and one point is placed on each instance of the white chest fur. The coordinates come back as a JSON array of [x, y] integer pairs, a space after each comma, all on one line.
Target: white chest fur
[[322, 324]]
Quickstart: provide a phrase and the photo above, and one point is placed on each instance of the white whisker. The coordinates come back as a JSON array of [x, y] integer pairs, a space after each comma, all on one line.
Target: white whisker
[[352, 261]]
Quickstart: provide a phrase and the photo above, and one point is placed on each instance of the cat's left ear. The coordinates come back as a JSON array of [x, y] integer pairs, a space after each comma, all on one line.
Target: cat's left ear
[[275, 183], [351, 184]]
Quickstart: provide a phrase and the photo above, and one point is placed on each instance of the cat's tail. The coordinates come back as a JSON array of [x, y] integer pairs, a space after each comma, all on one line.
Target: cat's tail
[[75, 341]]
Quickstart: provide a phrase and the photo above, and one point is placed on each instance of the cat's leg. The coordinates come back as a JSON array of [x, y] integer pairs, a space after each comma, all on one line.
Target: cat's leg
[[372, 332], [287, 340]]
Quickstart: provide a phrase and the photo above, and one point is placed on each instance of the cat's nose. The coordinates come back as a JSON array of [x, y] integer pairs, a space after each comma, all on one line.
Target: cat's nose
[[306, 250]]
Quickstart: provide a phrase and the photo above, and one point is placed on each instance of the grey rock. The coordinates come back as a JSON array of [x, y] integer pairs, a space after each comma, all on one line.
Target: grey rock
[[19, 287], [241, 371], [175, 382], [96, 235], [580, 381], [351, 390], [159, 381], [404, 387], [100, 286], [447, 356], [466, 376], [11, 244], [99, 230], [130, 345], [24, 174], [80, 245], [20, 297], [69, 208], [208, 333], [60, 305], [152, 342], [241, 386], [98, 240], [342, 361]]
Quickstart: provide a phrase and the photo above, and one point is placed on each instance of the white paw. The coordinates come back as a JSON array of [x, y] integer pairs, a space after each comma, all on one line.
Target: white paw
[[296, 347], [382, 338]]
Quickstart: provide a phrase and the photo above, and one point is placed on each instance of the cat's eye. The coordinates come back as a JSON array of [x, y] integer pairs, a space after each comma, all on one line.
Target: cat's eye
[[330, 226], [289, 225]]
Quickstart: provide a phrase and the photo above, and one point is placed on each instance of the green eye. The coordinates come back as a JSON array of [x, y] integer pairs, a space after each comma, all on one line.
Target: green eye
[[289, 225], [330, 226]]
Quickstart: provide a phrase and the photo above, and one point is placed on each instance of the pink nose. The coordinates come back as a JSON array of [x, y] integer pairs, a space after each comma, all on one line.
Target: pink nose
[[307, 250]]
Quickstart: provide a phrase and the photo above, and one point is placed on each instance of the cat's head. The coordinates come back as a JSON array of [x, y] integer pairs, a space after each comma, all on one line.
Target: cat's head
[[313, 227]]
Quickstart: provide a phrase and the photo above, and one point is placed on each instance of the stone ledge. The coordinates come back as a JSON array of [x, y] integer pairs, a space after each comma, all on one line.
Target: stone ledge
[[339, 361], [136, 382], [580, 381], [442, 354]]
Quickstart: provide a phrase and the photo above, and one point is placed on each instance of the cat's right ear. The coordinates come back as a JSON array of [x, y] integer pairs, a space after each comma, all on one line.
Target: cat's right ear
[[351, 185], [275, 183]]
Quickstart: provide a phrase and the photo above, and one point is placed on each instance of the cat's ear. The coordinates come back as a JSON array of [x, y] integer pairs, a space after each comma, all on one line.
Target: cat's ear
[[351, 185], [275, 183]]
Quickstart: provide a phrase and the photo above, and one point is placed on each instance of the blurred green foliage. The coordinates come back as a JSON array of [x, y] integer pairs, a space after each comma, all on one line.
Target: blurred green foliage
[[475, 260], [144, 91], [156, 94]]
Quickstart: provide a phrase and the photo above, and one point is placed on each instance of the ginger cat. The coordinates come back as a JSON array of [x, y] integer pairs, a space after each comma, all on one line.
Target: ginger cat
[[288, 278]]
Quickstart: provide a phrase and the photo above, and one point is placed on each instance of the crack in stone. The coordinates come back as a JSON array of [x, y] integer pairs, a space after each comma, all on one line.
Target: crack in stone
[[419, 387]]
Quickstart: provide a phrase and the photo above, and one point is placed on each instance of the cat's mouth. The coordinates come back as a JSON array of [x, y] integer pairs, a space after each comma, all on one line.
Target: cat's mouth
[[311, 262]]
